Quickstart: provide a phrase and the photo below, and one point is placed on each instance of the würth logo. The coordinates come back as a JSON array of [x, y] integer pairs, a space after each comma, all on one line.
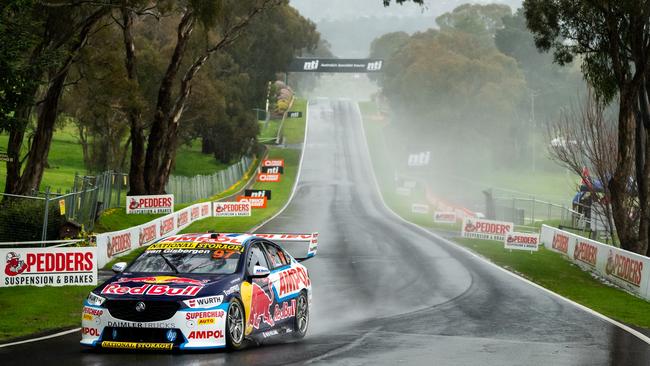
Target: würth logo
[[421, 159], [311, 65]]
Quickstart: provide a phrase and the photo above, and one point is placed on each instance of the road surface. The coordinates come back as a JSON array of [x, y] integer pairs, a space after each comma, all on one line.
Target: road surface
[[386, 292]]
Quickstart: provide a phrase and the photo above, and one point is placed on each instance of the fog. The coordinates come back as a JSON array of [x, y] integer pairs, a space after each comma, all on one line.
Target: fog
[[490, 134]]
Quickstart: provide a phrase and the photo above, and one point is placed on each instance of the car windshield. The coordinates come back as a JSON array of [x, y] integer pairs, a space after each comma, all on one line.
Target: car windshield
[[188, 258]]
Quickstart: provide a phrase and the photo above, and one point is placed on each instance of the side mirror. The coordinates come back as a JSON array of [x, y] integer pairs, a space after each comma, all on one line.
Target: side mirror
[[260, 272], [119, 267]]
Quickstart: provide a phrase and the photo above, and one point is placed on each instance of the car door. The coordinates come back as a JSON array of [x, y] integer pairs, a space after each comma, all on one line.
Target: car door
[[284, 306], [262, 300]]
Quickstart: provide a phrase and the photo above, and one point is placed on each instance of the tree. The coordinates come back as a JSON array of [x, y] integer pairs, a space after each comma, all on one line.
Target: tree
[[584, 141], [44, 51], [613, 43], [221, 24], [480, 20]]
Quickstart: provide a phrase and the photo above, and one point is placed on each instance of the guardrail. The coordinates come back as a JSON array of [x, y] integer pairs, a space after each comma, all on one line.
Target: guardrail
[[626, 269]]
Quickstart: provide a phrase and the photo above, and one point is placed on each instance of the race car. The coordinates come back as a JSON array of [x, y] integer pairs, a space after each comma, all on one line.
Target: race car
[[203, 291]]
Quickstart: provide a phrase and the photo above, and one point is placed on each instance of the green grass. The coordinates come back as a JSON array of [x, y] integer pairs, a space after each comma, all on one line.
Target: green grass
[[66, 158], [546, 268], [294, 128], [281, 192], [116, 219], [269, 131], [190, 161], [552, 271], [28, 310]]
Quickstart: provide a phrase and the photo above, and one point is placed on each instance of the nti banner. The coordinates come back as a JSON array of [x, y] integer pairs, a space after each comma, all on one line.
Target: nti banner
[[485, 229], [49, 266], [154, 204], [336, 65]]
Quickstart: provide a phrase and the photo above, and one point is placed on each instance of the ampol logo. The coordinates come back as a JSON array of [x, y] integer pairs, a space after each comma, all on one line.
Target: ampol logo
[[14, 265]]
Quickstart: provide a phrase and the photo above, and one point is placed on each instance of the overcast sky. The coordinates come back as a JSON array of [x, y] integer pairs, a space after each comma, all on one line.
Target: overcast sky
[[344, 9]]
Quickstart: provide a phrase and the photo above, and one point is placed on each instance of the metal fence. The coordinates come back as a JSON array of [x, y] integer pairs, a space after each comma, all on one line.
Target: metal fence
[[528, 211], [51, 215], [189, 189]]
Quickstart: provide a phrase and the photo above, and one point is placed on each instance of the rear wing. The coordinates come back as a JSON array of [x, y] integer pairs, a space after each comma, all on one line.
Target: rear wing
[[295, 243]]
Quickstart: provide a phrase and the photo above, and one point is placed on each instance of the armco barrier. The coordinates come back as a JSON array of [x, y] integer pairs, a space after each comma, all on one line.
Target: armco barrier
[[628, 270], [117, 243]]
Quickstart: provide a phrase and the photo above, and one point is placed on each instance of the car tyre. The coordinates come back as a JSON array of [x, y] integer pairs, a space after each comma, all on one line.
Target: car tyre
[[235, 325], [301, 321]]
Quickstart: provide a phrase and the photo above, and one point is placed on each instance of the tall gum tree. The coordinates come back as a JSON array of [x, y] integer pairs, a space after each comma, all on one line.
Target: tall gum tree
[[612, 39]]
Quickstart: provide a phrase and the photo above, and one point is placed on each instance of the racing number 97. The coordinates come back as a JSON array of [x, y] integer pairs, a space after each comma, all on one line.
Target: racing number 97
[[222, 254]]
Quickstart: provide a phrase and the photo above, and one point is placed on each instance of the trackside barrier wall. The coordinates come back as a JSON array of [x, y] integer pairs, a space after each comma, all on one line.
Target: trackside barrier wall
[[118, 243], [626, 269]]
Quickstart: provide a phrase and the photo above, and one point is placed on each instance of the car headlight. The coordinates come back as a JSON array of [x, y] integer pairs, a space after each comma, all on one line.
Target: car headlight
[[95, 300]]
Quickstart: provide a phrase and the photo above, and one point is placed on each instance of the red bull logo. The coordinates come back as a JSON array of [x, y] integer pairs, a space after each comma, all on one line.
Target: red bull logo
[[148, 289], [260, 308], [164, 280]]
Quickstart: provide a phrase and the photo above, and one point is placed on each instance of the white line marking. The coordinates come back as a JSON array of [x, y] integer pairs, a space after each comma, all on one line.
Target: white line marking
[[41, 338], [295, 184], [626, 328], [293, 192]]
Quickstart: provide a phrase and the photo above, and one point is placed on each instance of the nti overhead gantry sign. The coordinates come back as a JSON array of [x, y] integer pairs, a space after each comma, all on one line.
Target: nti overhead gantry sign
[[336, 65]]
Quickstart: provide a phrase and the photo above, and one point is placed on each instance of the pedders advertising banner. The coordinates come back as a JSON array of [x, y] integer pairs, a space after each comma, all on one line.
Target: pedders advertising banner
[[486, 229], [154, 204], [117, 243], [628, 270], [49, 267]]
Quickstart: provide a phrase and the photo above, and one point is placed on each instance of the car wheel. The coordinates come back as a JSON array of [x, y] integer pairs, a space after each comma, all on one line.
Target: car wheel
[[235, 320], [301, 321]]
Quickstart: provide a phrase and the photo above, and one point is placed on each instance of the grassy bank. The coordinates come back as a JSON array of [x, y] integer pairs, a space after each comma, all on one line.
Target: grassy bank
[[29, 310], [66, 158], [545, 267], [280, 194], [550, 270]]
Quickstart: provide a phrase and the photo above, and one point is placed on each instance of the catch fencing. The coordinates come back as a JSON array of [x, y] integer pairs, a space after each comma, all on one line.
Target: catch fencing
[[49, 215], [189, 189]]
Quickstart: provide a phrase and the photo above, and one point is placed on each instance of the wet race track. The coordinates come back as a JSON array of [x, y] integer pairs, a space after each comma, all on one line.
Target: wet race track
[[386, 292]]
